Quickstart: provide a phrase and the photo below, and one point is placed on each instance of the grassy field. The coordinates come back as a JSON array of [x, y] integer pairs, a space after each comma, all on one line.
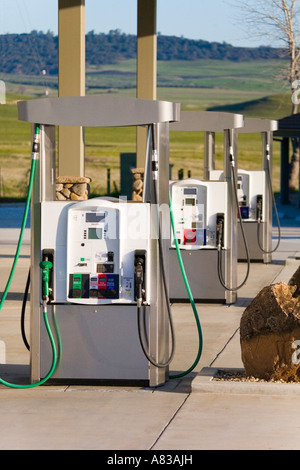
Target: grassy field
[[254, 89]]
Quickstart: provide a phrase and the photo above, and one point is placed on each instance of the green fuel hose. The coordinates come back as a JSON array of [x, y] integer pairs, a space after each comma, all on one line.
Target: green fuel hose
[[12, 272], [35, 151], [189, 292], [54, 360], [154, 180]]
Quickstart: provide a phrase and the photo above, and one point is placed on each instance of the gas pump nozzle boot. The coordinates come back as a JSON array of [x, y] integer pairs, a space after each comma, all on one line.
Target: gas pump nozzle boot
[[139, 280]]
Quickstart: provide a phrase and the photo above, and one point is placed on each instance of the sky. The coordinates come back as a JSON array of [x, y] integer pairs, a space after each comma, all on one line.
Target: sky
[[210, 20]]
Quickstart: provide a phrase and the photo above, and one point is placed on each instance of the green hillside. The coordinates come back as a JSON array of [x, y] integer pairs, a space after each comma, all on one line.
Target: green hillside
[[269, 107], [253, 88]]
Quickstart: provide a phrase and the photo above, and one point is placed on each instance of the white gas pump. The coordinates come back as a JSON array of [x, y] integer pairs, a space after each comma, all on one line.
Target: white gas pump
[[250, 191], [201, 229], [205, 217], [103, 268], [255, 196]]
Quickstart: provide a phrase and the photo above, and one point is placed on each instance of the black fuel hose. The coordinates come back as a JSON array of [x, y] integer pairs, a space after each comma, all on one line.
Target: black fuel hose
[[219, 261], [276, 215]]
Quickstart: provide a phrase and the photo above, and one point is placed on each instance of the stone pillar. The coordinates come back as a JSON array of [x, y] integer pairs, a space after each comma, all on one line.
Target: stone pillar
[[71, 81], [138, 184], [73, 188]]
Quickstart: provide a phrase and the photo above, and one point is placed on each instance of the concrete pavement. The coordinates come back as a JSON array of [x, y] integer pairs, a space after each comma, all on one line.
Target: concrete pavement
[[190, 413]]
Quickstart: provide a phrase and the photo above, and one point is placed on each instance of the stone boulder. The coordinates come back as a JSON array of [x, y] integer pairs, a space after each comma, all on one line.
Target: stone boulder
[[270, 332], [295, 281]]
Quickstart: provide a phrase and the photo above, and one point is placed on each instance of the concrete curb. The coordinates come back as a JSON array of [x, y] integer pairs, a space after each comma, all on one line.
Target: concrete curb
[[290, 267], [204, 383]]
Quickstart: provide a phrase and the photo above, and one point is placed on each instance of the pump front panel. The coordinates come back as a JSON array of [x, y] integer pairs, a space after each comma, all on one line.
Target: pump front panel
[[95, 245], [200, 220], [197, 207], [189, 207], [93, 261], [250, 192]]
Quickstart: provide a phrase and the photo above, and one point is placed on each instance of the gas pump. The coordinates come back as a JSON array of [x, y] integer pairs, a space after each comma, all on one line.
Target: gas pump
[[205, 218], [98, 268], [199, 209], [256, 197]]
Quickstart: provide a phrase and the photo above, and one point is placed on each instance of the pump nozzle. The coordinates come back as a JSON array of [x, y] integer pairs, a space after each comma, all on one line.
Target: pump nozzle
[[45, 266], [268, 152], [219, 235], [36, 143], [259, 208], [220, 231], [231, 156], [139, 280]]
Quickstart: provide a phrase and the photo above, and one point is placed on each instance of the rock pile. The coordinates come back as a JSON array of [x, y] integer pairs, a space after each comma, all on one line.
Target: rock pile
[[270, 332], [138, 184], [74, 188]]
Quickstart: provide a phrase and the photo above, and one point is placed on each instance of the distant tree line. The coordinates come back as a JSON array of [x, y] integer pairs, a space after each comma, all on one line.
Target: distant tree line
[[37, 51]]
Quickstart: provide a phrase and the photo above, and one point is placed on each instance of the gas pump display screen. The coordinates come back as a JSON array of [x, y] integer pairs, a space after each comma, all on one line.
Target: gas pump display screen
[[95, 233], [190, 191], [94, 217]]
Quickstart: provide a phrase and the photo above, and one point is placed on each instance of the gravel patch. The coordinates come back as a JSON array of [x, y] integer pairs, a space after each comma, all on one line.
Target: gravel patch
[[239, 376]]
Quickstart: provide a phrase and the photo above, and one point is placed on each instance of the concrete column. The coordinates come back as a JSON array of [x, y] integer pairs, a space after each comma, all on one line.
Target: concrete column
[[71, 81], [146, 65]]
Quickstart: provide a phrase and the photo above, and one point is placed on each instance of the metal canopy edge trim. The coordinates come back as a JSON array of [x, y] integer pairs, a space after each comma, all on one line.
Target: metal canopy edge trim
[[97, 111], [209, 121], [259, 125]]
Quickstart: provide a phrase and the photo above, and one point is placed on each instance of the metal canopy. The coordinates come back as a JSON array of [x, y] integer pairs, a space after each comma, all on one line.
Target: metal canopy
[[208, 121], [97, 111], [258, 125]]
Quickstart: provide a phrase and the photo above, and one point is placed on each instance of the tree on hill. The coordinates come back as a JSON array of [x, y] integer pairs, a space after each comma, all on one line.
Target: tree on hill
[[280, 20]]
